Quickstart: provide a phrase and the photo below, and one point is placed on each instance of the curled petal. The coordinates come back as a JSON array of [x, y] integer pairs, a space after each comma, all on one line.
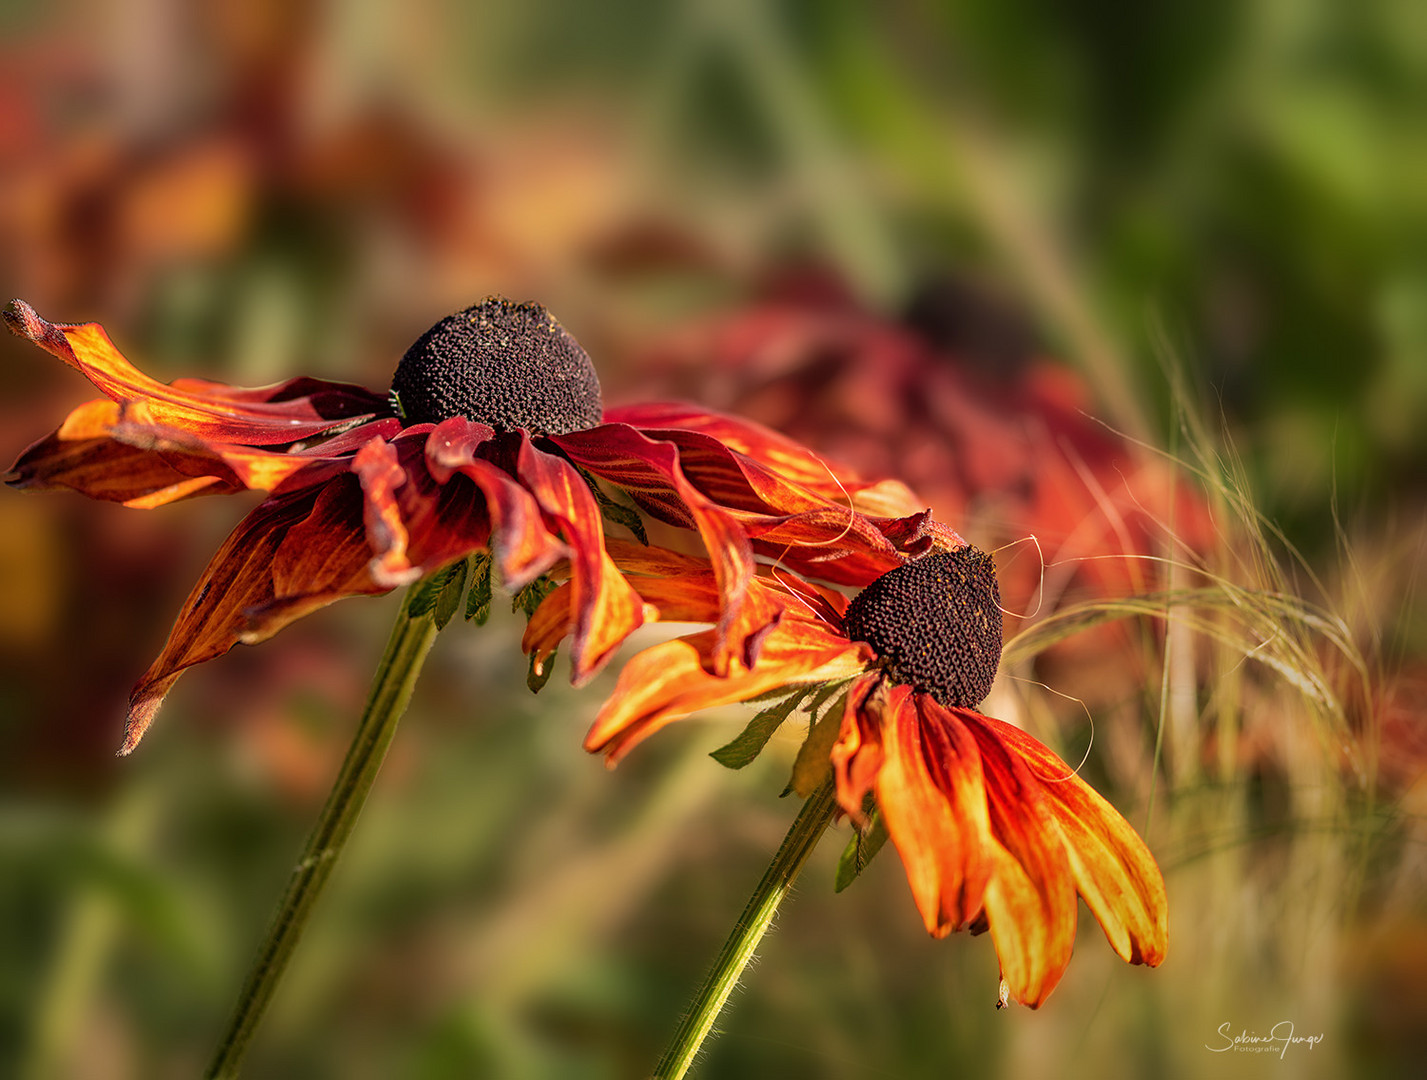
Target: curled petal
[[381, 474], [606, 609], [669, 681], [415, 525], [265, 416], [683, 588], [1112, 868], [524, 548]]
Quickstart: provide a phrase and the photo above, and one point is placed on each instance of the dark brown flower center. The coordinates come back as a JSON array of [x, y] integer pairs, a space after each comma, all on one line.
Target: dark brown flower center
[[503, 364], [936, 623]]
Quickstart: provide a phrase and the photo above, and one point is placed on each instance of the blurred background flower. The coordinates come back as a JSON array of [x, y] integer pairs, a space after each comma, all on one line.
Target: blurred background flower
[[1000, 248]]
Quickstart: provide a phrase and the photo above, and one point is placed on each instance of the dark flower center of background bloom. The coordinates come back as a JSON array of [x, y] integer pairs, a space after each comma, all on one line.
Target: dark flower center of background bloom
[[503, 364], [936, 622]]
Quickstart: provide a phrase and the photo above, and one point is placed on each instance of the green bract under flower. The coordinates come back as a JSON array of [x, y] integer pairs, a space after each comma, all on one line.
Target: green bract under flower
[[936, 622], [503, 364]]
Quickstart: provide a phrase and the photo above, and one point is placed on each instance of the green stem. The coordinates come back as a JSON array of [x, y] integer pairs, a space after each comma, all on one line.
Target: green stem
[[411, 639], [757, 916]]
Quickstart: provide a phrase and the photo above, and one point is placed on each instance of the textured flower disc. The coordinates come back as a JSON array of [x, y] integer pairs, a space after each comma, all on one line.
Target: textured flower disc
[[936, 622], [503, 364]]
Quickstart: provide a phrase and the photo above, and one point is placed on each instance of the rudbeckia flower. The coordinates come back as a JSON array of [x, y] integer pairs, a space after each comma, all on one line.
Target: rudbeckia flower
[[493, 437], [994, 830]]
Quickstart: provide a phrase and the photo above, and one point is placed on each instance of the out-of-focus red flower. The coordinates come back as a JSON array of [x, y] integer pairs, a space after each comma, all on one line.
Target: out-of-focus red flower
[[498, 424], [963, 408]]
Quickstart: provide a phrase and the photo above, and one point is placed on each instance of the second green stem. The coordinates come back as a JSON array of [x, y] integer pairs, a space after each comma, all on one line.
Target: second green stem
[[814, 818]]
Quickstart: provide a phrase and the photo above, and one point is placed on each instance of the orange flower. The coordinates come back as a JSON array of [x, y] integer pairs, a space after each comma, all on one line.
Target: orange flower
[[489, 440], [994, 830]]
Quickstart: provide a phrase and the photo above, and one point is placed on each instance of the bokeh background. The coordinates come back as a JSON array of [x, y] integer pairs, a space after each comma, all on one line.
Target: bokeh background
[[1165, 263]]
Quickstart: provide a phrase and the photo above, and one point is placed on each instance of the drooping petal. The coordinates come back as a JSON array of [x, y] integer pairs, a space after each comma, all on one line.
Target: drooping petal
[[857, 755], [1030, 899], [684, 588], [1112, 868], [932, 796], [381, 474], [264, 416], [606, 609], [651, 473], [523, 547], [671, 680], [289, 556]]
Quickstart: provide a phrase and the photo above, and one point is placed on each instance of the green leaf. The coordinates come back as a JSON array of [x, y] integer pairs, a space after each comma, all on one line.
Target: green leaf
[[449, 599], [530, 597], [617, 512], [478, 600], [865, 843], [536, 680], [814, 757], [750, 742], [426, 597]]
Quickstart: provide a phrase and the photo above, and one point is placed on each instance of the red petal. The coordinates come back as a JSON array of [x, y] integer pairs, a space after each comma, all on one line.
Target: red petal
[[524, 547], [289, 556], [381, 475], [788, 458], [263, 416], [1030, 900], [651, 473], [606, 609], [414, 525]]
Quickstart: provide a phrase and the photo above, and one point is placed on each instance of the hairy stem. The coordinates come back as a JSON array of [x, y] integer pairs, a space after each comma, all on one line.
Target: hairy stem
[[410, 641], [757, 917]]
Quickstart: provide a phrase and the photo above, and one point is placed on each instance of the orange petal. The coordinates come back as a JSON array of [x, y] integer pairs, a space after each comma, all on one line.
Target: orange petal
[[606, 609], [932, 796], [264, 416], [100, 451], [669, 681], [102, 468], [1112, 868]]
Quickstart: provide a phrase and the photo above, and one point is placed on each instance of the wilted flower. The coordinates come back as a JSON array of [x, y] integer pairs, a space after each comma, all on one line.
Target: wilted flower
[[994, 830], [493, 437]]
